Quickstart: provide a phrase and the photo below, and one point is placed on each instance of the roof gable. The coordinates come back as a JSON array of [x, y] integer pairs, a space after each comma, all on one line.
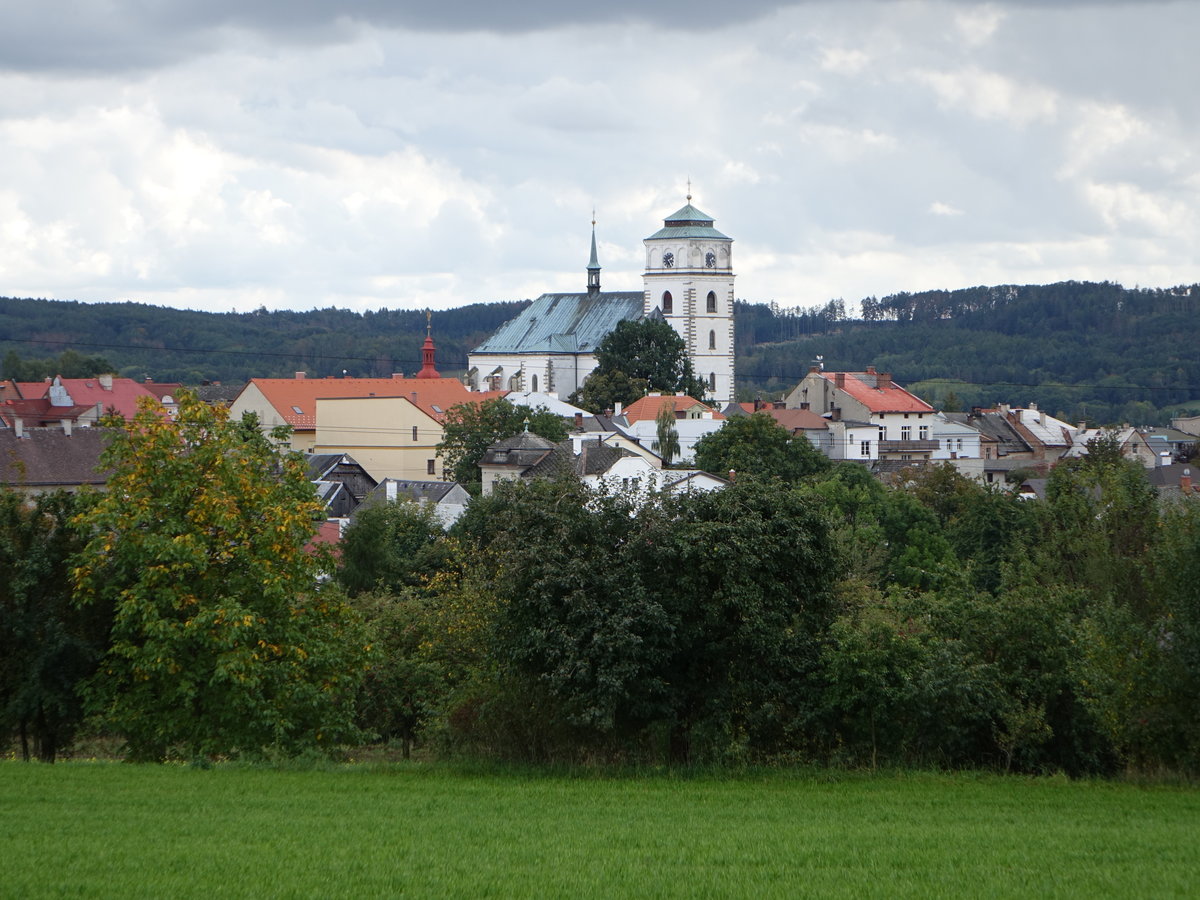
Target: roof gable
[[648, 407]]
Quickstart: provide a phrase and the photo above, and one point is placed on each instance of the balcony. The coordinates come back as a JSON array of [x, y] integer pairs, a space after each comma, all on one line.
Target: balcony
[[886, 447]]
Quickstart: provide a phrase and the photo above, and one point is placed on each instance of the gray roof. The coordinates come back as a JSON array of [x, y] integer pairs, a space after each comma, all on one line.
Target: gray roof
[[564, 323], [433, 491], [996, 426], [48, 458], [688, 222], [520, 450]]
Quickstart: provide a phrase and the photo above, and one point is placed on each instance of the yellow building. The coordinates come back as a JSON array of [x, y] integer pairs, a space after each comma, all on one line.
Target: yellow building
[[389, 436]]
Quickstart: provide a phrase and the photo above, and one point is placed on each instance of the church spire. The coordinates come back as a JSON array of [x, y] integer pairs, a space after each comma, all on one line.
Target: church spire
[[593, 282], [427, 350]]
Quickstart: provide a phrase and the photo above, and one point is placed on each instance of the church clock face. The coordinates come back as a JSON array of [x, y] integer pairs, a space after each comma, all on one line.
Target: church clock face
[[710, 260], [668, 260]]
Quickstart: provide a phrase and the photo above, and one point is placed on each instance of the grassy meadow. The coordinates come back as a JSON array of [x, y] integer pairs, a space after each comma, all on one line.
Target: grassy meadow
[[108, 829]]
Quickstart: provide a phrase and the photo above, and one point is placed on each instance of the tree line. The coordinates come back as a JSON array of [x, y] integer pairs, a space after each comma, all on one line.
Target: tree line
[[804, 614]]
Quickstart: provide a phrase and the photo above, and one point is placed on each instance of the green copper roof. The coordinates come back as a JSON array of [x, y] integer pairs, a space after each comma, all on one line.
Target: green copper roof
[[594, 262], [564, 323], [688, 222]]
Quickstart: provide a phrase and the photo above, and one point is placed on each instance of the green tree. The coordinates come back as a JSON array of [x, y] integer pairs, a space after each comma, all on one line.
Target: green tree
[[222, 642], [668, 436], [389, 547], [602, 392], [758, 446], [48, 646], [647, 352], [470, 428]]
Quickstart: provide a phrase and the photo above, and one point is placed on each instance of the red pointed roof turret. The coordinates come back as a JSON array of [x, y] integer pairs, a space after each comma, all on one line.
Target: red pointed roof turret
[[427, 350]]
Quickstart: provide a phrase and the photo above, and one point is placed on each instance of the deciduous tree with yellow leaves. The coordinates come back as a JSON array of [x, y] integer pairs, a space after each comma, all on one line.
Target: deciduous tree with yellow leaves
[[223, 642]]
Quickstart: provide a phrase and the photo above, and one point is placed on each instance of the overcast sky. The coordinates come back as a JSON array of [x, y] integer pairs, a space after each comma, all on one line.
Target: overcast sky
[[224, 155]]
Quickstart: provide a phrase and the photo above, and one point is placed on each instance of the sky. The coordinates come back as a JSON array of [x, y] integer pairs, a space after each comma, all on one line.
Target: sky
[[369, 154]]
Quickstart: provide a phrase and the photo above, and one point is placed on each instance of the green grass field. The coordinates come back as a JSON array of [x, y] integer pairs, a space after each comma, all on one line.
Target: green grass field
[[107, 829]]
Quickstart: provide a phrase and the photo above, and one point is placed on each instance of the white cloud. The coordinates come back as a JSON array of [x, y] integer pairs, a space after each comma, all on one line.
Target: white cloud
[[938, 208], [990, 95]]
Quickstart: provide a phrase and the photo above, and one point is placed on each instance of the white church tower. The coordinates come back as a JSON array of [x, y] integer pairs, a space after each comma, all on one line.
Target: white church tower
[[689, 278]]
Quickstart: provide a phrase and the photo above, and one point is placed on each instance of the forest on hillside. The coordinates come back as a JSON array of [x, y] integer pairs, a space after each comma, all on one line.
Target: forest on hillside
[[1089, 351]]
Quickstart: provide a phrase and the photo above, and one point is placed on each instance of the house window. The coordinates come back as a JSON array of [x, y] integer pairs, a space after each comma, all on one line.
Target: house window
[[414, 434], [864, 448], [923, 432], [667, 303], [712, 340], [906, 432], [430, 467], [712, 302], [883, 434]]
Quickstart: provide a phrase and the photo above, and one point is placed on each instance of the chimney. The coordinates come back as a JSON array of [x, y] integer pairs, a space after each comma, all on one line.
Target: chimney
[[835, 414], [579, 421], [617, 408], [66, 427], [390, 490], [105, 382], [1185, 481], [839, 379], [870, 370], [814, 370], [780, 404], [19, 426], [300, 376], [732, 475], [413, 396], [757, 404], [883, 380]]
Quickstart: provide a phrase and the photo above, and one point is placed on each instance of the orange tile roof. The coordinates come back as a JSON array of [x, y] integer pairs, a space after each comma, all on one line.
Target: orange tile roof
[[433, 396], [892, 398], [648, 407]]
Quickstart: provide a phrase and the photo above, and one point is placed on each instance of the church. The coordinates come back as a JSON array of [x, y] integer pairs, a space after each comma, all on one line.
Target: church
[[688, 280]]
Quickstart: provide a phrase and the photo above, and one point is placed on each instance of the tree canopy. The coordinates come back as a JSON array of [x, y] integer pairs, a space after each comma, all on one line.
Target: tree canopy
[[637, 357], [222, 641], [758, 446]]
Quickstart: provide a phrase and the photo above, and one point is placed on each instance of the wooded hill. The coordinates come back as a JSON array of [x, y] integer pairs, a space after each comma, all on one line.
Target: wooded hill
[[1080, 350]]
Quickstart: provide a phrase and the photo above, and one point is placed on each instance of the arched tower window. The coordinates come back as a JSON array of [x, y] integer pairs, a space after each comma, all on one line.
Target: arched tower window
[[712, 302], [712, 381], [535, 384], [712, 340], [666, 302]]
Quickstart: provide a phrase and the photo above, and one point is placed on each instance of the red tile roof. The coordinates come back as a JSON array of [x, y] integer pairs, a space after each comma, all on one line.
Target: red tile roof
[[122, 397], [434, 396], [797, 419], [648, 407], [862, 386]]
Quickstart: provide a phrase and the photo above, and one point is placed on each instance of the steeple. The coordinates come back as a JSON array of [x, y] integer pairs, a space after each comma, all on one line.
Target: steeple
[[427, 350], [593, 283]]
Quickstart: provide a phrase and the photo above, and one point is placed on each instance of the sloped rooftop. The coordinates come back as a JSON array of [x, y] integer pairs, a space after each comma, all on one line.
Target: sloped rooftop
[[879, 395], [564, 323]]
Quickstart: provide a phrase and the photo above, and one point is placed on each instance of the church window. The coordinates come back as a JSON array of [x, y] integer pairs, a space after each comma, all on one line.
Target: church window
[[667, 305], [712, 302], [712, 381], [535, 383], [712, 340]]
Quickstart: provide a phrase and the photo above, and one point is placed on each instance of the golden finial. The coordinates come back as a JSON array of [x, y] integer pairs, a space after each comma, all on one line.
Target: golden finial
[[428, 323]]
